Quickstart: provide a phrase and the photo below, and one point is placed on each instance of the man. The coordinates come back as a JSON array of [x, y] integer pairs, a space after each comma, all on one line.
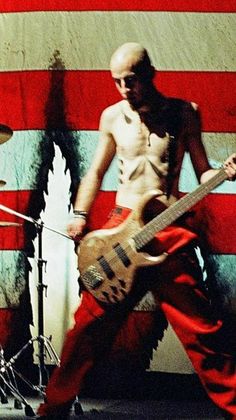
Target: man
[[149, 133]]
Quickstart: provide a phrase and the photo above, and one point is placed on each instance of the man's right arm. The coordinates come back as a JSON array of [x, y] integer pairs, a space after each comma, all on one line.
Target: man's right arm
[[91, 182]]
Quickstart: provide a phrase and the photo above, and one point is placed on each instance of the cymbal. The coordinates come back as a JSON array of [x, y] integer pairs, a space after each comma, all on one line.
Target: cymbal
[[2, 183], [4, 224], [5, 133]]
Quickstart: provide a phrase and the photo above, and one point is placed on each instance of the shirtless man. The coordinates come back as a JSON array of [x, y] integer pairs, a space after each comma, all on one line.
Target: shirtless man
[[149, 133]]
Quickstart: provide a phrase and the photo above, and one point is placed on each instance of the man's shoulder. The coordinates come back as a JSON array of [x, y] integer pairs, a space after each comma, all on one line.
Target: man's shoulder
[[180, 109], [180, 104], [177, 113], [112, 111]]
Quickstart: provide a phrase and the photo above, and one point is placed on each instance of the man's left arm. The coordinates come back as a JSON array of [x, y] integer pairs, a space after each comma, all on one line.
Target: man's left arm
[[196, 149], [229, 166]]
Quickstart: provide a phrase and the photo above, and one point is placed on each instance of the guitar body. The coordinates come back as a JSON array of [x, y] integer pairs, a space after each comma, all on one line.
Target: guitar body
[[108, 259]]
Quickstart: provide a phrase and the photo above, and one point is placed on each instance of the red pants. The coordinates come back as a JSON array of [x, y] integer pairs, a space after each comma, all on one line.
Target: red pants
[[99, 331]]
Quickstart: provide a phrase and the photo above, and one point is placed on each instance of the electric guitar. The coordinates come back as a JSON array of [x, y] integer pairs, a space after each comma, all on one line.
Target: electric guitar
[[109, 258]]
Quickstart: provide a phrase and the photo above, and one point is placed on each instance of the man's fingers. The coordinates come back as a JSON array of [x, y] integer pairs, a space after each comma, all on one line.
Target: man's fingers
[[77, 237]]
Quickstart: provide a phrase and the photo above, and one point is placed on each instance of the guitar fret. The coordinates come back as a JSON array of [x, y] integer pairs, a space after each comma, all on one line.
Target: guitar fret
[[176, 210]]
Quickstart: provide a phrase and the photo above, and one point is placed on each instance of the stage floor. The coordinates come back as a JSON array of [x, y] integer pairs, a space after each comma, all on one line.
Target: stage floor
[[122, 409], [129, 395]]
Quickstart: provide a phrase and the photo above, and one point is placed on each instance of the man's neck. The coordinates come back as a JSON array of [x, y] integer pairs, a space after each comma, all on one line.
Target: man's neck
[[151, 103]]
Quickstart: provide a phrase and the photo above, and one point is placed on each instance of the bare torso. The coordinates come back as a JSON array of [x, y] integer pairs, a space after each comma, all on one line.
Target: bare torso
[[142, 157], [149, 156]]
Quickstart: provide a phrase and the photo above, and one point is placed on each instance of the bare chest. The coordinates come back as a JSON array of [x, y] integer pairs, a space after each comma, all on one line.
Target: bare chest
[[134, 139]]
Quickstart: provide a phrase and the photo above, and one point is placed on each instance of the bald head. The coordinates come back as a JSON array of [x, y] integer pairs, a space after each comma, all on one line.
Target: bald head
[[133, 56]]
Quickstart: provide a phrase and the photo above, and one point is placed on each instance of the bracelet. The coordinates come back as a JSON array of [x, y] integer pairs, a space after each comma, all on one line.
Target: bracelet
[[80, 214]]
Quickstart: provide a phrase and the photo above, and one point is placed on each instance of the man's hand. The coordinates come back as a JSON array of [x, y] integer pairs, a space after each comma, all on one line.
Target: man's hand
[[75, 228], [230, 167]]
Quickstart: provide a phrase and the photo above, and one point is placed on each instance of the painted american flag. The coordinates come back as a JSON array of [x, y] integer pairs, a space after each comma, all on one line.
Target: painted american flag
[[55, 82]]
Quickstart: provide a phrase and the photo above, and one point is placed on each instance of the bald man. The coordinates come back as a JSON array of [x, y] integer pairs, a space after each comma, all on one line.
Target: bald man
[[149, 133]]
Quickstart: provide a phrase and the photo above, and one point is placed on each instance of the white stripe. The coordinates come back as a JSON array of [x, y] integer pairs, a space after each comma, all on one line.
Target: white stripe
[[188, 180], [86, 40], [218, 147], [20, 159]]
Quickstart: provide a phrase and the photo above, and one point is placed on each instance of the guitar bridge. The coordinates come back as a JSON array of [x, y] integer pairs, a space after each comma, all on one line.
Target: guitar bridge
[[92, 278]]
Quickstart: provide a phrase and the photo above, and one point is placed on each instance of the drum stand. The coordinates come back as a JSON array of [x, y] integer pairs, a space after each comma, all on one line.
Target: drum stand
[[8, 372]]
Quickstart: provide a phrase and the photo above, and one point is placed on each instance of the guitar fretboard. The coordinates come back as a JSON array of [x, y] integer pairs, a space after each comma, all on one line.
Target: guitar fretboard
[[147, 233]]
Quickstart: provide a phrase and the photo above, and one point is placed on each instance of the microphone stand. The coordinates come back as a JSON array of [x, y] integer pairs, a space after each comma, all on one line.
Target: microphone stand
[[40, 287], [44, 343]]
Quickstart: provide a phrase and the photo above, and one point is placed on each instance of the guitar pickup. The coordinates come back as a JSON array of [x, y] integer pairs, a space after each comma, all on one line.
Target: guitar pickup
[[122, 254], [106, 267]]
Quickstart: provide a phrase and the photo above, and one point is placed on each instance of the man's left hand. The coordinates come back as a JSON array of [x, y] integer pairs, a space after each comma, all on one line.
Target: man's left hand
[[230, 167]]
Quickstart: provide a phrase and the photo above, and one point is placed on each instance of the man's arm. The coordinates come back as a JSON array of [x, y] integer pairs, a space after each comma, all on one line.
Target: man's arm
[[193, 140], [229, 166], [91, 182], [195, 147]]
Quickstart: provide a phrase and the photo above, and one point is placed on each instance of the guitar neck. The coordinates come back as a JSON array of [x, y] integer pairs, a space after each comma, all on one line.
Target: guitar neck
[[147, 233]]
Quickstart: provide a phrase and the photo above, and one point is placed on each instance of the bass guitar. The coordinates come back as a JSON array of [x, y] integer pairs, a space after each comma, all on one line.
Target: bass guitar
[[108, 259]]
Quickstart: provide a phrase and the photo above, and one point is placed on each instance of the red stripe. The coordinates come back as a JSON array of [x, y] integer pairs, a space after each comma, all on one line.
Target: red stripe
[[119, 5], [219, 228], [101, 208], [22, 107], [13, 238], [218, 223]]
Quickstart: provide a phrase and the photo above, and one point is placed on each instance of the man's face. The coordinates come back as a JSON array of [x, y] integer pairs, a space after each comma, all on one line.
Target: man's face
[[129, 85]]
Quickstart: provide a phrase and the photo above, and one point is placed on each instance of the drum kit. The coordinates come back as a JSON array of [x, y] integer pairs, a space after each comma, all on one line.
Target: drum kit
[[8, 371]]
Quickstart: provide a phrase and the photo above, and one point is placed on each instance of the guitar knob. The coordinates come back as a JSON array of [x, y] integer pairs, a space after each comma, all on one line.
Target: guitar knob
[[122, 283], [114, 289], [106, 295]]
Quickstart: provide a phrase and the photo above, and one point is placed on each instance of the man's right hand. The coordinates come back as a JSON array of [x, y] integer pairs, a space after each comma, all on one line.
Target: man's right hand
[[75, 228]]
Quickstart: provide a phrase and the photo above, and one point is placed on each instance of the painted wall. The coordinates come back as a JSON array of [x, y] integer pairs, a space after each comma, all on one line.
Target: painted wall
[[54, 83]]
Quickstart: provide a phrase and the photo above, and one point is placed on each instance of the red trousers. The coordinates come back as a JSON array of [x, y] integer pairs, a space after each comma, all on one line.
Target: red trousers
[[100, 331]]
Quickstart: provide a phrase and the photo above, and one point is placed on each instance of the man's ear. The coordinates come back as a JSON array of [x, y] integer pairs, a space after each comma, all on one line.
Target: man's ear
[[146, 74], [152, 72]]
